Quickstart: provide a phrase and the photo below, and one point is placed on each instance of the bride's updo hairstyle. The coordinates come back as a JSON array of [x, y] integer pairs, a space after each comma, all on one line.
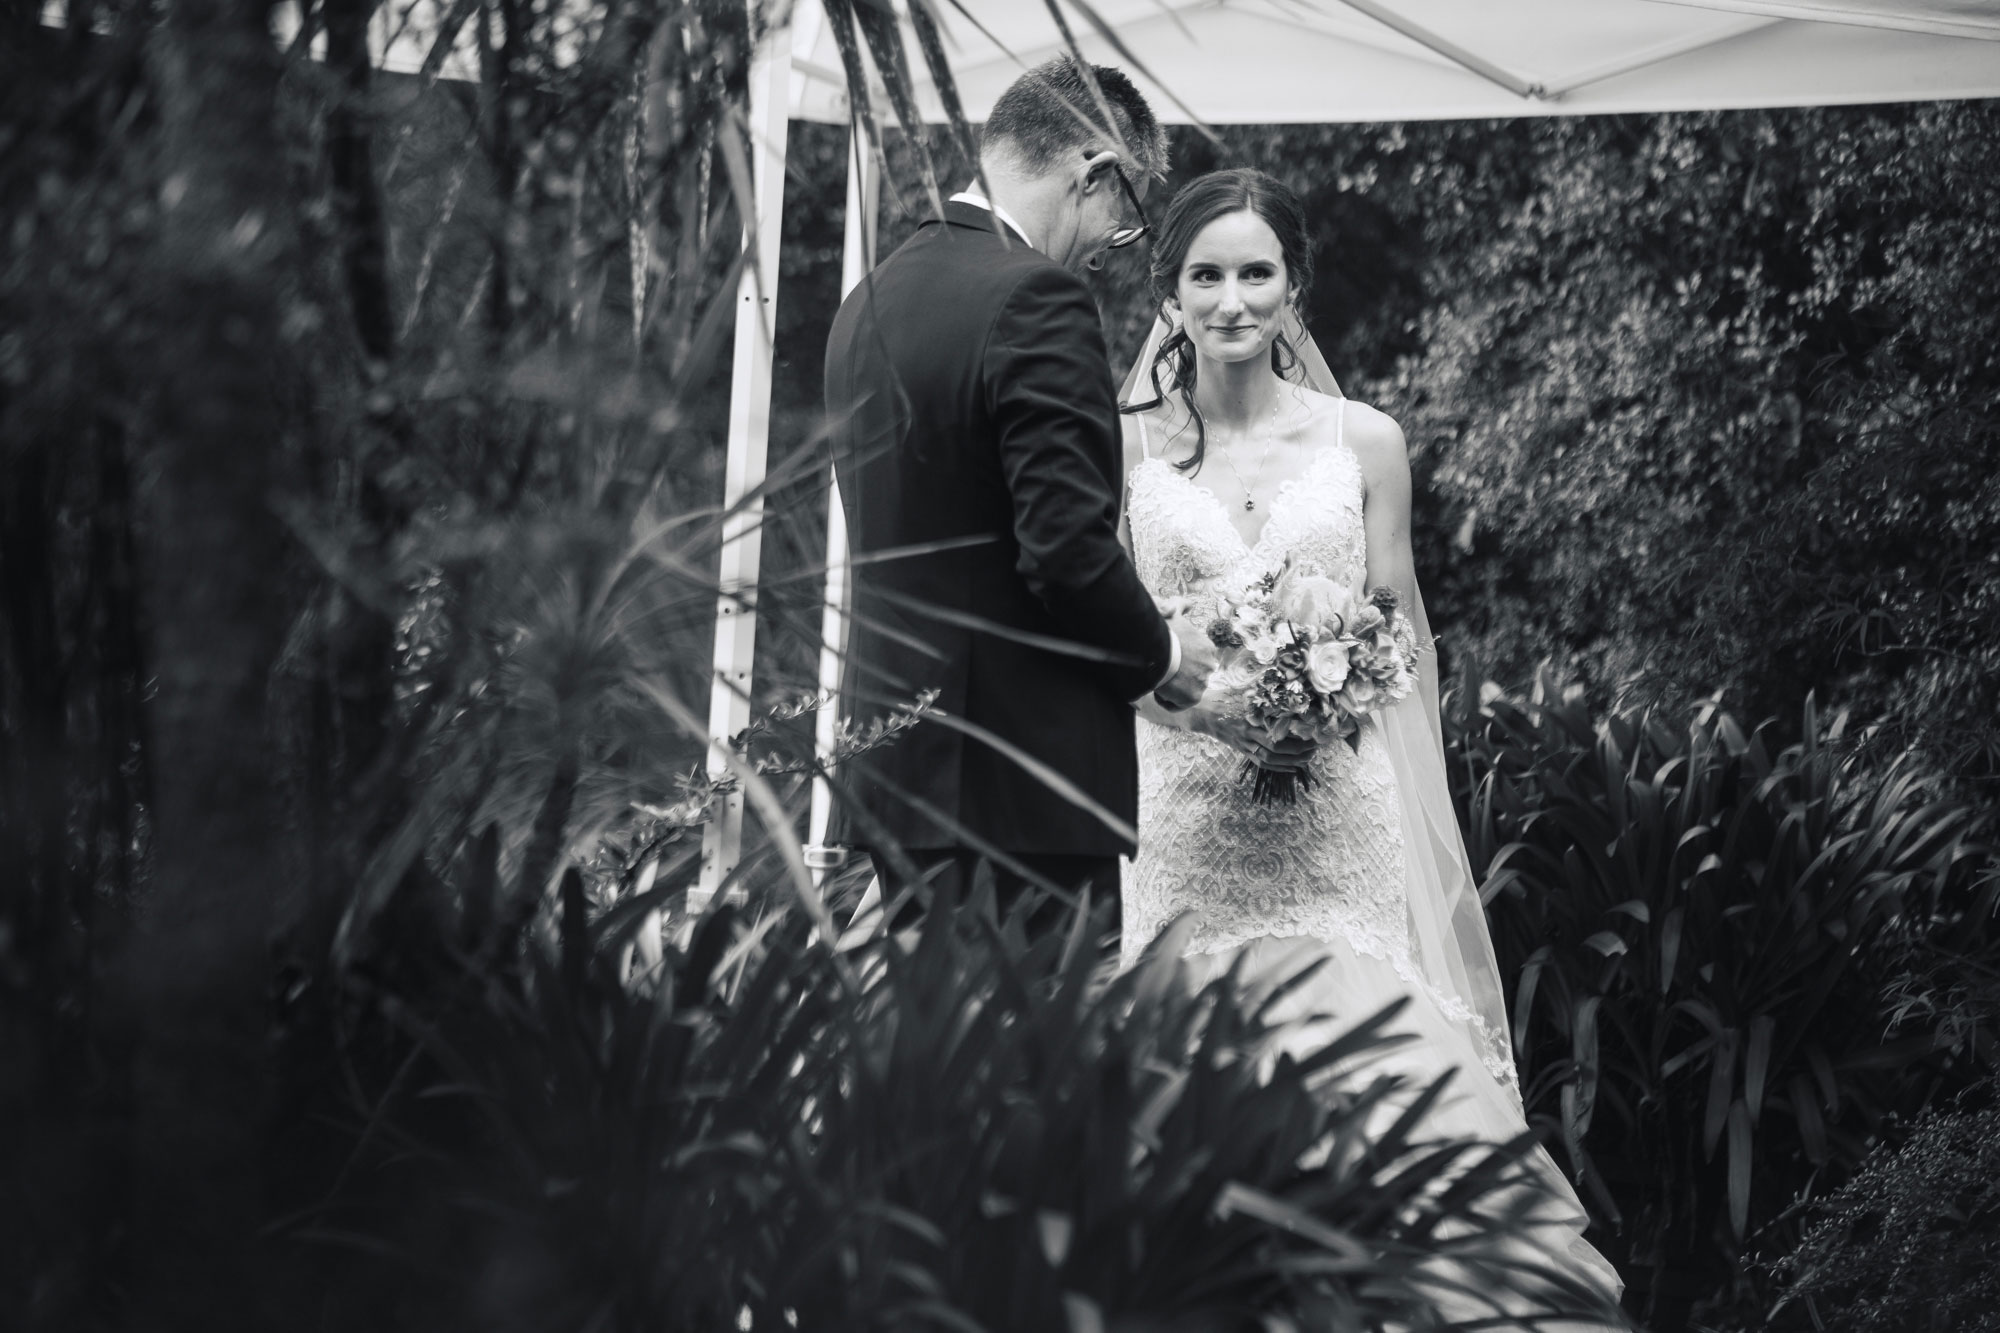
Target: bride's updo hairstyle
[[1200, 202]]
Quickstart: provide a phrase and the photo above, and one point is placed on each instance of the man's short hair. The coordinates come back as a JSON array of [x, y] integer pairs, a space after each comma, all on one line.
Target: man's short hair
[[1050, 113]]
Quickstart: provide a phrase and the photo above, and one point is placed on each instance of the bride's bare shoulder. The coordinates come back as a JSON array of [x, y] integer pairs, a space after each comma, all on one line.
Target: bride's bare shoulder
[[1376, 439], [1154, 432], [1359, 418]]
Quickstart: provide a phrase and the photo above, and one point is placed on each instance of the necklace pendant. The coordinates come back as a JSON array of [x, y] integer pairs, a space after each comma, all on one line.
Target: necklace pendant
[[1249, 503]]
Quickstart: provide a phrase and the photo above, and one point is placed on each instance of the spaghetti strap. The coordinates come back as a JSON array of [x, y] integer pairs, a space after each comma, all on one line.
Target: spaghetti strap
[[1145, 446]]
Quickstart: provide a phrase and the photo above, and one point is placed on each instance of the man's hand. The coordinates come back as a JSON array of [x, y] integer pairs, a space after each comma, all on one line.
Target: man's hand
[[1184, 688], [1284, 756]]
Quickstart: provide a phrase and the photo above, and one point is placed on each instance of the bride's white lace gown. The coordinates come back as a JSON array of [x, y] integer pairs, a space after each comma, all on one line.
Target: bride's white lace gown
[[1328, 868], [1325, 876]]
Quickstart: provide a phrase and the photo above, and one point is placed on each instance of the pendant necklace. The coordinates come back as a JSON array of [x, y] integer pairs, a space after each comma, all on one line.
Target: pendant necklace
[[1270, 439]]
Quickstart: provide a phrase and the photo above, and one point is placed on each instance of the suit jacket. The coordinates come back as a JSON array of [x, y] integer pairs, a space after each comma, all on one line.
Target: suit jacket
[[972, 409]]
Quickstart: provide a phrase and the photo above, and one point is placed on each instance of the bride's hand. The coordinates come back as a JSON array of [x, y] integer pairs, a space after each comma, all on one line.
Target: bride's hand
[[1211, 717]]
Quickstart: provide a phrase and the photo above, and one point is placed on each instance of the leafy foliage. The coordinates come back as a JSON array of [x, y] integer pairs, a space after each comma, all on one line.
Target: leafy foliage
[[1705, 934], [1735, 372], [359, 462], [1707, 405], [1910, 1242], [955, 1129]]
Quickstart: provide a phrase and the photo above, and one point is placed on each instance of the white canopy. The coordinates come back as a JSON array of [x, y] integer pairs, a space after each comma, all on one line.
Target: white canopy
[[1285, 61], [1321, 61]]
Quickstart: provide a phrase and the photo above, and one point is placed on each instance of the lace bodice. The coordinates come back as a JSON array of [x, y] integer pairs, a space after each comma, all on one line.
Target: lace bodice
[[1184, 543], [1330, 867]]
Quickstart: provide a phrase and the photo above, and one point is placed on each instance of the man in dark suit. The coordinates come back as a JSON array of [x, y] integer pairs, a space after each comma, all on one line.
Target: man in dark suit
[[975, 423]]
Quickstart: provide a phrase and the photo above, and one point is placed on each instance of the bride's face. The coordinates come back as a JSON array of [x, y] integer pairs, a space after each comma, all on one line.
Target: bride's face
[[1233, 288]]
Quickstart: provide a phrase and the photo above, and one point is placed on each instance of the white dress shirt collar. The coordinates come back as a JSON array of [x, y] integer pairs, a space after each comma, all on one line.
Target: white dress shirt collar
[[978, 200]]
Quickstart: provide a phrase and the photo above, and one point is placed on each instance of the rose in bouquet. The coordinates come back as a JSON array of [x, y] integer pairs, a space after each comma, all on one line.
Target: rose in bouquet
[[1299, 656]]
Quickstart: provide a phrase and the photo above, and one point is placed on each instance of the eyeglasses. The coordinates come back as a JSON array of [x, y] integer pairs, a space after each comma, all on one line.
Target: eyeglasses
[[1125, 236]]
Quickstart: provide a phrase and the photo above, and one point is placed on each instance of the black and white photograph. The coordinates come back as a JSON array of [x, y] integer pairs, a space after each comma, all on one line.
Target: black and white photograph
[[1000, 666]]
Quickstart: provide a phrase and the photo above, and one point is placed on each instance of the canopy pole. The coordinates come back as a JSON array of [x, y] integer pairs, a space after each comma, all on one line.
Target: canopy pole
[[1452, 51], [1656, 55], [864, 187], [749, 448]]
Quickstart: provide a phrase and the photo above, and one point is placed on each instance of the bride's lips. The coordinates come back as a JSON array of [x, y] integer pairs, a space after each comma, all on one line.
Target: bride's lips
[[1231, 328]]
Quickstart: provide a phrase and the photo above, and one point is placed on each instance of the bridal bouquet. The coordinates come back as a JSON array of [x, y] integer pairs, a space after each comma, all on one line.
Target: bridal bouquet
[[1302, 656]]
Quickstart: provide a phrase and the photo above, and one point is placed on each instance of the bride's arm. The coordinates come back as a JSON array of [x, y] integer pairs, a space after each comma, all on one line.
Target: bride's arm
[[1128, 426], [1384, 456], [1146, 705]]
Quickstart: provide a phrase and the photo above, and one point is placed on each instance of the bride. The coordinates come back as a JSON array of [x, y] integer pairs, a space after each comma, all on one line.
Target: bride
[[1241, 454]]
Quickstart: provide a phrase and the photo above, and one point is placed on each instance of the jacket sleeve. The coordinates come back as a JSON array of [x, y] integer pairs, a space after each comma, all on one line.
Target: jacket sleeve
[[1055, 418]]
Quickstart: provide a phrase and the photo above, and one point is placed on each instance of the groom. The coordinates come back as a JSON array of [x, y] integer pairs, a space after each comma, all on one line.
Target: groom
[[975, 427]]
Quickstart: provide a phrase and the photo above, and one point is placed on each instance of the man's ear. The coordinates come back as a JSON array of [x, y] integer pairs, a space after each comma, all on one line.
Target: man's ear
[[1095, 170]]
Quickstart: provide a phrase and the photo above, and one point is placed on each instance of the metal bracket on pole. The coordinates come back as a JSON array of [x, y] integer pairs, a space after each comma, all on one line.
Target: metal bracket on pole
[[749, 446], [857, 257]]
